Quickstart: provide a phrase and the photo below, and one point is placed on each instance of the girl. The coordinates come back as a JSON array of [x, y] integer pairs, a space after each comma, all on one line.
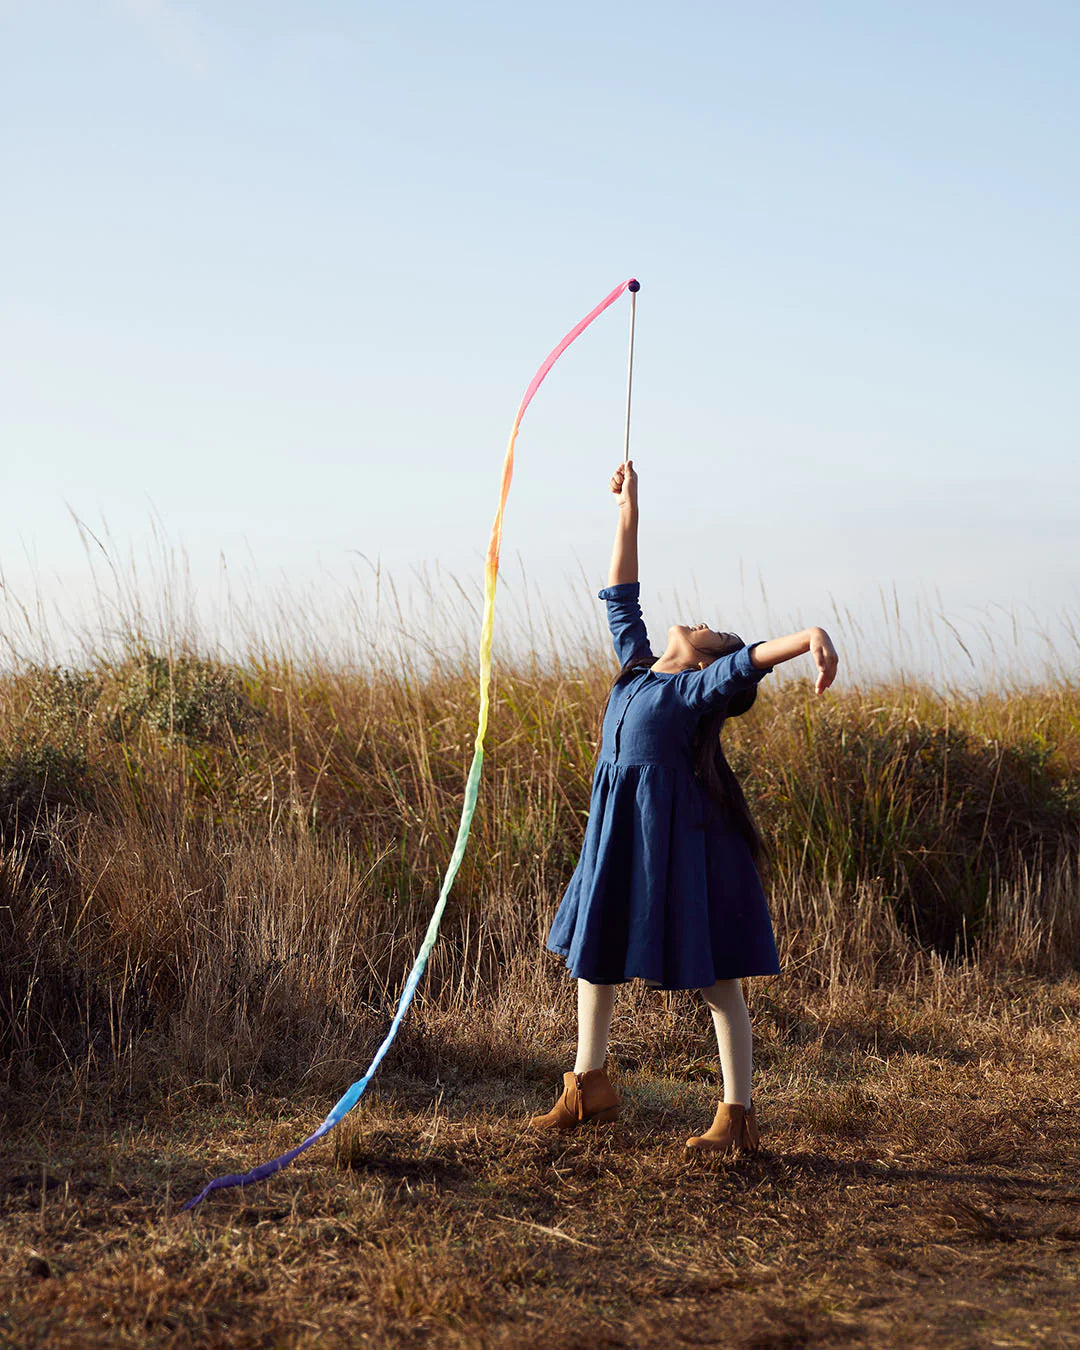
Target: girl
[[666, 888]]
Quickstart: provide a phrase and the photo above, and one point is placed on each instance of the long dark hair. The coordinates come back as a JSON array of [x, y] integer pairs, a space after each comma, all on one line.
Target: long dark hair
[[711, 768]]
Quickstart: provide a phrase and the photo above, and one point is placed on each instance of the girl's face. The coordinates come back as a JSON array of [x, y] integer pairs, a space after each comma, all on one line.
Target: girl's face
[[704, 644]]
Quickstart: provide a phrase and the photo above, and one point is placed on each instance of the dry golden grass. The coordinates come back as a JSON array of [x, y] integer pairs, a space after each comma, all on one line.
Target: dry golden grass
[[213, 879]]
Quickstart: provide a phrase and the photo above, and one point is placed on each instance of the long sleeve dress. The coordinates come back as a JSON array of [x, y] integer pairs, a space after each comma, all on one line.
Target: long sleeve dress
[[665, 889]]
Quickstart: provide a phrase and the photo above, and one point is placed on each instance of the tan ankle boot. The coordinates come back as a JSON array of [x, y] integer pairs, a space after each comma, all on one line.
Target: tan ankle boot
[[734, 1130], [586, 1098]]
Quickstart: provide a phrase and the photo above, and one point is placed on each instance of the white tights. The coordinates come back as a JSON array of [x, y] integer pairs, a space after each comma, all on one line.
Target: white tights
[[595, 1003], [730, 1019]]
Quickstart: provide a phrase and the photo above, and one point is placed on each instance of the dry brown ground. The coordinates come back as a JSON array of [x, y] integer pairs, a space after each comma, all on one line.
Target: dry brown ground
[[919, 1187]]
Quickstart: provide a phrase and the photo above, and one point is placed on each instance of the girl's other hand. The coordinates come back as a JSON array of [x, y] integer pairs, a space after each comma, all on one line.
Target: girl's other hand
[[825, 658], [624, 484]]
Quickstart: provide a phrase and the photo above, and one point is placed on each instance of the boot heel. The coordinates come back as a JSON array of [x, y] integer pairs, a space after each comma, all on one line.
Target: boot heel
[[608, 1113]]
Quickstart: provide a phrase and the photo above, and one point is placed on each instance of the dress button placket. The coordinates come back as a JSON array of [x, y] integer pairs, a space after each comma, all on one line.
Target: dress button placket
[[618, 724]]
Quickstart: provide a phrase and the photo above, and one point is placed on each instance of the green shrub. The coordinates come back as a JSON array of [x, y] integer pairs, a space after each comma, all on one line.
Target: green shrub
[[34, 778], [186, 698], [934, 811]]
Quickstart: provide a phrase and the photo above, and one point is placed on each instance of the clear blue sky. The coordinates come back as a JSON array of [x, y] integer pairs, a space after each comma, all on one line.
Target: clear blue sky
[[276, 275]]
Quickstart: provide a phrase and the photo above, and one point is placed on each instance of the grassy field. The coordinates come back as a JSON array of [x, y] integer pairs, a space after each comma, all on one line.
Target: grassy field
[[214, 877]]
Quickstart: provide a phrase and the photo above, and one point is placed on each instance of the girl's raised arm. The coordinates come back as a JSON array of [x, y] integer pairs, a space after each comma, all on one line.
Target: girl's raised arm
[[624, 559], [813, 640]]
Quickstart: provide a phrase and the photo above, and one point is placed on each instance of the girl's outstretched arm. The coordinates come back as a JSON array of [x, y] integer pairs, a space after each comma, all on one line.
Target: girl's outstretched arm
[[813, 640], [624, 562]]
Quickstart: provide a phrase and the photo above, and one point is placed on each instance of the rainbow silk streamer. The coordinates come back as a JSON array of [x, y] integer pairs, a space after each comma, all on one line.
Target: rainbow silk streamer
[[346, 1103]]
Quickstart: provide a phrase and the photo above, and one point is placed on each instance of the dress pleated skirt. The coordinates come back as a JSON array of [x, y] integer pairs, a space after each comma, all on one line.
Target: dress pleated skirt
[[665, 889]]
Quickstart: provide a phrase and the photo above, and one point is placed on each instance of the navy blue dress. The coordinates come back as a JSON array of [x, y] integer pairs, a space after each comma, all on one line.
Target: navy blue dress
[[665, 888]]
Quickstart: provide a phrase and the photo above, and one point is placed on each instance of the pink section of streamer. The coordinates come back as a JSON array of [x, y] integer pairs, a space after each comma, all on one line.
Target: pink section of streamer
[[575, 332]]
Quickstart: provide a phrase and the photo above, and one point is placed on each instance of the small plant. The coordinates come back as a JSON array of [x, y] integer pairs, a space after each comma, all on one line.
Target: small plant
[[34, 778], [186, 698], [62, 702]]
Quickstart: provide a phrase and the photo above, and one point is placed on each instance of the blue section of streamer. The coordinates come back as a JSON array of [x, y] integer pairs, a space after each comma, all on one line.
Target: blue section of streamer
[[345, 1104]]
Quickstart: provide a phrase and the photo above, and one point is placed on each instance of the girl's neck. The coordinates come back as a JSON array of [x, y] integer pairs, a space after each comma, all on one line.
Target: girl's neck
[[672, 665]]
